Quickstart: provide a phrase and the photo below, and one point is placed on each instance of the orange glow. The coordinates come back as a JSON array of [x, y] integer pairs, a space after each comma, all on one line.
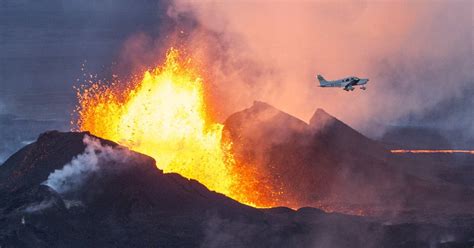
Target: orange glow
[[164, 115], [433, 151]]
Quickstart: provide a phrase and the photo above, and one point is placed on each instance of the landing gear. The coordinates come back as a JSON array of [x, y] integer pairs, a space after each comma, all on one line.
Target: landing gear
[[349, 88], [363, 88]]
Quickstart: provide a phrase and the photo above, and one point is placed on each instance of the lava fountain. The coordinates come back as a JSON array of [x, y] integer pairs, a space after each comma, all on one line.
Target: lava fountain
[[164, 115]]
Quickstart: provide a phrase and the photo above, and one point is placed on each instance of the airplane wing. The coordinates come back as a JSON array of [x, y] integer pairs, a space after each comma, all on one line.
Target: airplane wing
[[350, 84]]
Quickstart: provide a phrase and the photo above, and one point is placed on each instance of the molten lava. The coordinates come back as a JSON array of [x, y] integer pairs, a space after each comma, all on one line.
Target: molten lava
[[433, 151], [164, 115]]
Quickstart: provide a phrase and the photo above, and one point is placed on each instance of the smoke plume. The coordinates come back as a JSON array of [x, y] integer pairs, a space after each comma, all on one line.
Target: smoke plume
[[75, 173], [417, 54], [40, 206]]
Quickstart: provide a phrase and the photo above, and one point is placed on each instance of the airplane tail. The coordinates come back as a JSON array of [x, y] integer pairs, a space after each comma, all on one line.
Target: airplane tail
[[322, 81]]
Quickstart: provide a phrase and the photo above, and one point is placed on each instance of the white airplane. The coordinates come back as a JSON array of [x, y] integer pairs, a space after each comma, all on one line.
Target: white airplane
[[346, 83]]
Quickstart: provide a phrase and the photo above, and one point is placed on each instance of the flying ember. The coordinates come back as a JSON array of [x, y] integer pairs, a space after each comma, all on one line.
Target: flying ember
[[165, 116]]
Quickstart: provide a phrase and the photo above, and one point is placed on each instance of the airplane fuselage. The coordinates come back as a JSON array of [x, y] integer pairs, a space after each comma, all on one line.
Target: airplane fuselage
[[346, 83]]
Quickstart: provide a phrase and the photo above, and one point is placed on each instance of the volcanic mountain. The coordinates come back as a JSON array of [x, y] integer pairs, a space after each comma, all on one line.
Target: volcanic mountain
[[330, 165], [77, 190]]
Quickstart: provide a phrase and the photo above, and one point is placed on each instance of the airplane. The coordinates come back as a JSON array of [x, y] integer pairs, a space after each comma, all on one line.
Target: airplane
[[347, 83]]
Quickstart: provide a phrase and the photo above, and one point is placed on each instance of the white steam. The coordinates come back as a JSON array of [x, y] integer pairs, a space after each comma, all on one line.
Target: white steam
[[74, 174], [40, 206]]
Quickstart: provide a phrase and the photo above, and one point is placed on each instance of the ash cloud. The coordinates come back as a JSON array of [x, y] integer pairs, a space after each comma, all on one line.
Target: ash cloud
[[417, 54], [76, 173]]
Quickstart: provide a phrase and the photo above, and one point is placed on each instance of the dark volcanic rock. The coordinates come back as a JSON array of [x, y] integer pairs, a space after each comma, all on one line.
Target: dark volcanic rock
[[16, 132], [116, 203], [330, 165], [341, 138], [127, 202]]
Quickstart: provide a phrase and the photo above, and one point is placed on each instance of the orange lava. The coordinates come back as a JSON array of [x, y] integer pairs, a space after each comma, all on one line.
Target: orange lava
[[165, 115], [433, 151]]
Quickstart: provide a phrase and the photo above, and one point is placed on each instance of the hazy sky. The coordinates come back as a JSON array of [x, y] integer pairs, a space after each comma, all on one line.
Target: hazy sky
[[43, 45], [418, 54]]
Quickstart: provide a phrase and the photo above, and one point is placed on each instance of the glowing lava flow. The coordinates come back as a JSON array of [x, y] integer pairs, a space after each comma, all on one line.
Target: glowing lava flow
[[433, 151], [164, 115]]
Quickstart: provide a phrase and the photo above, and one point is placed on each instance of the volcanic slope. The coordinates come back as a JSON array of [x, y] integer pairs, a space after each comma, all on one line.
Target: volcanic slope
[[329, 165], [77, 190]]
